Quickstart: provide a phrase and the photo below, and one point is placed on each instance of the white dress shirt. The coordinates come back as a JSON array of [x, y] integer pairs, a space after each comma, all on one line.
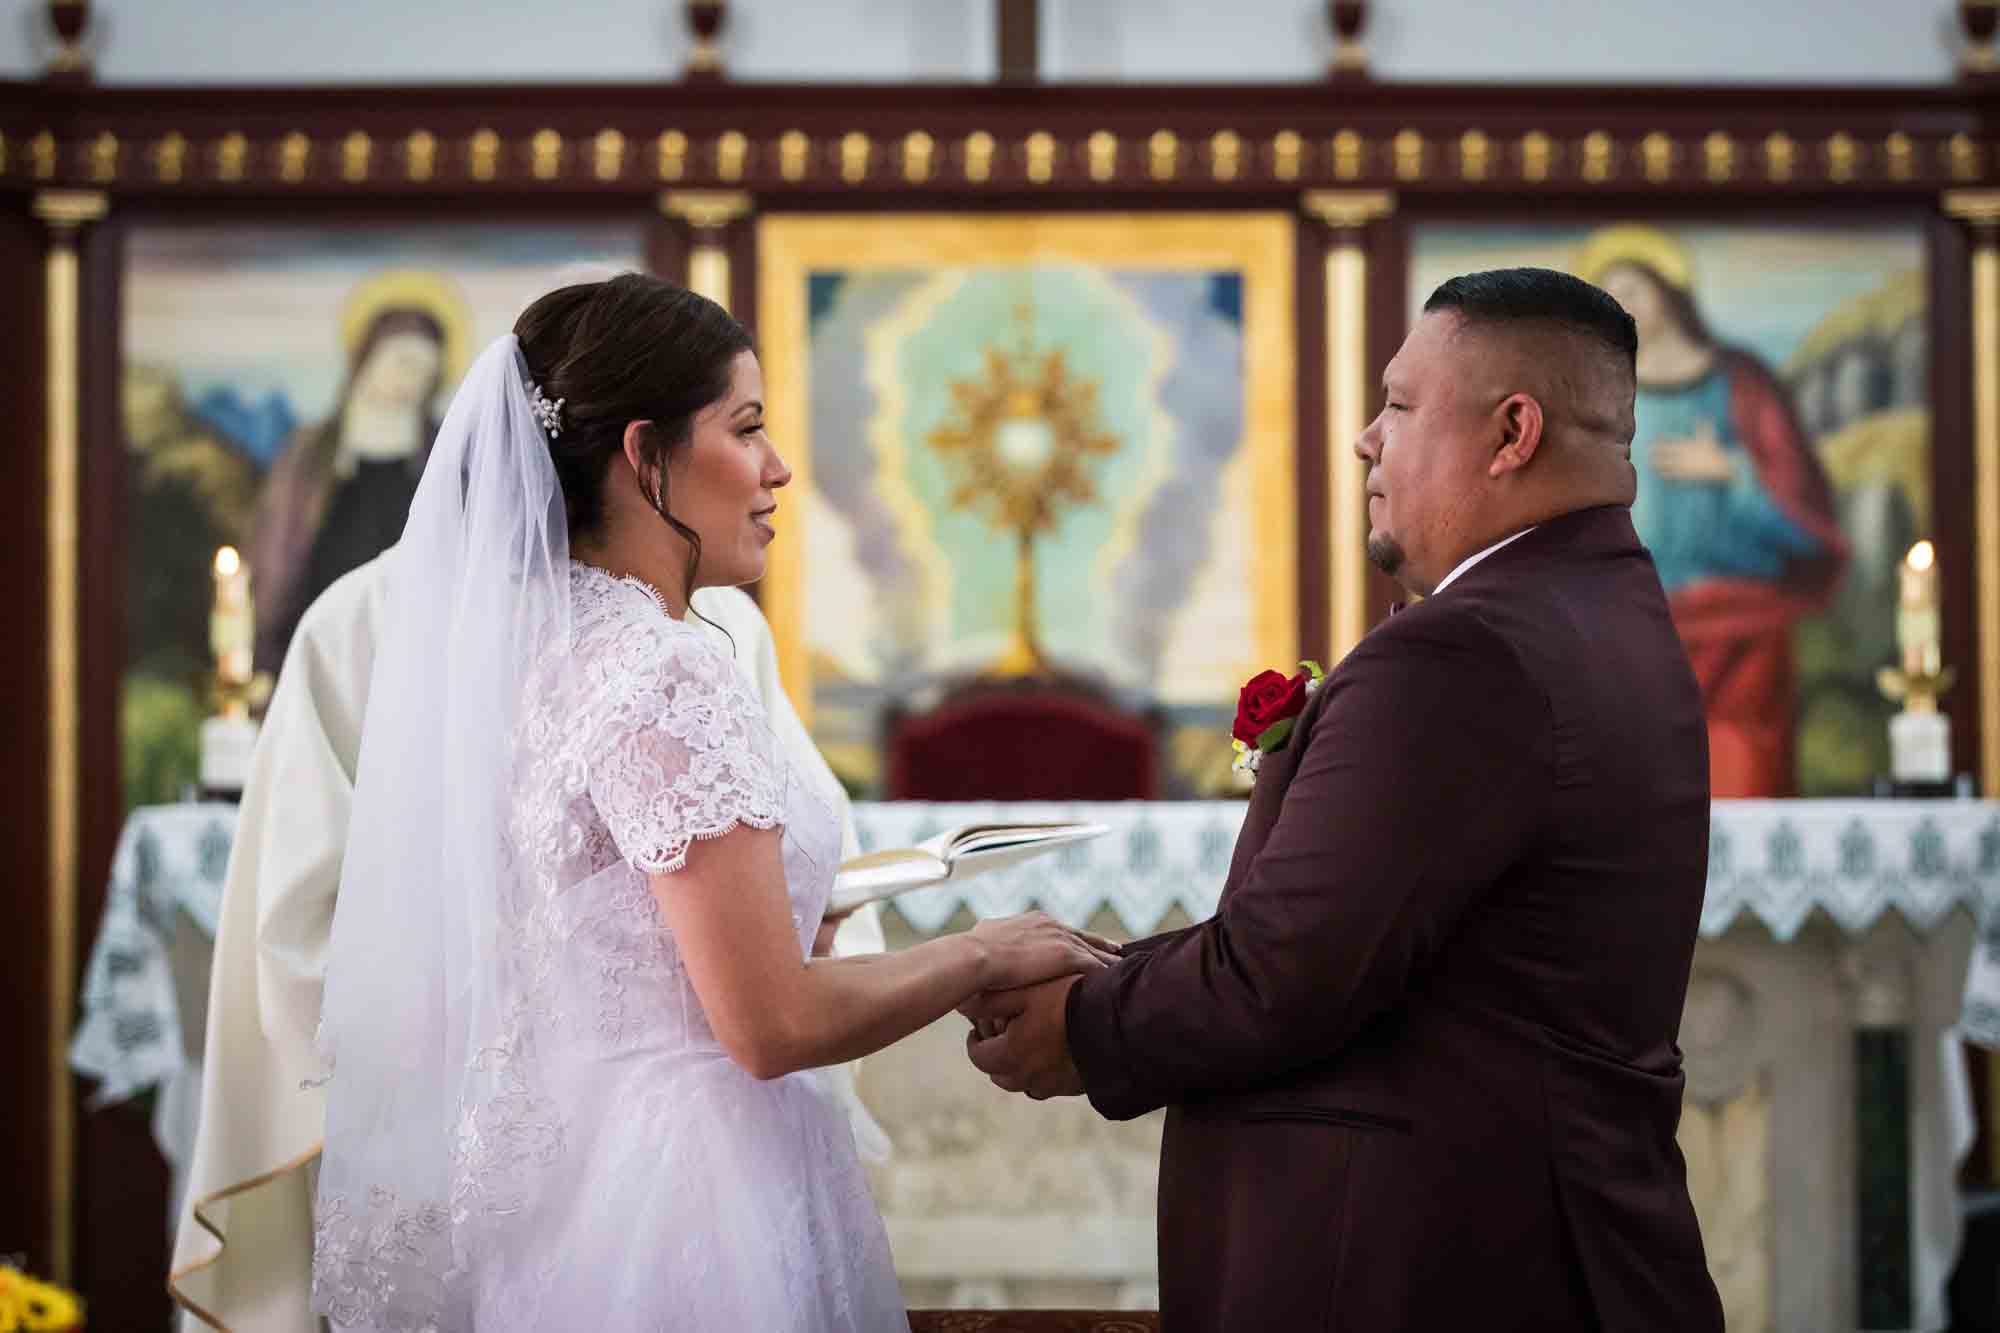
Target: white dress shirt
[[1475, 558]]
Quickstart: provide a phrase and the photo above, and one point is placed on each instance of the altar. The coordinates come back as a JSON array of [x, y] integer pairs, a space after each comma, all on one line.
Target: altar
[[1848, 949]]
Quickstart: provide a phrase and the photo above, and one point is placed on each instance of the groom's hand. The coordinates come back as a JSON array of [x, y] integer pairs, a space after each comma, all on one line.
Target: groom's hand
[[1030, 1052]]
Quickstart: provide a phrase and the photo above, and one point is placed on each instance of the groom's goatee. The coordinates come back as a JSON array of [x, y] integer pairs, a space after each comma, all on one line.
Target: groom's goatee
[[1384, 554]]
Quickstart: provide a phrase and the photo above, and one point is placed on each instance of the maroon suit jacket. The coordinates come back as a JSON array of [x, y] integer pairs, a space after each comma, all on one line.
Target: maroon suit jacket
[[1421, 1063]]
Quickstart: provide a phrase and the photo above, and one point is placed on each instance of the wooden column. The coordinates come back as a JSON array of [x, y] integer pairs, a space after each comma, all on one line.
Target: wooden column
[[64, 212], [710, 215], [1980, 209], [1347, 214]]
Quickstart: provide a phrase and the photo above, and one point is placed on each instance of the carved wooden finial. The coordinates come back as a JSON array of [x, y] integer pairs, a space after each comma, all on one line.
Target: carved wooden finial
[[1348, 18], [1978, 19], [70, 21], [706, 19]]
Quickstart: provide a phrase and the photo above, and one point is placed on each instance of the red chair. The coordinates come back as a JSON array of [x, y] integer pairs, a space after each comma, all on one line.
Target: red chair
[[1035, 738]]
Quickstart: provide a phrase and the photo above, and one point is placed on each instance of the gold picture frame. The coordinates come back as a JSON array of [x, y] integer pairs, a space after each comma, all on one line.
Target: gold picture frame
[[1259, 246]]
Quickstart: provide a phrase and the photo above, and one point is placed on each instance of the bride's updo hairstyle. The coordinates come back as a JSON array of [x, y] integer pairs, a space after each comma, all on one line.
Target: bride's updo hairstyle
[[632, 348]]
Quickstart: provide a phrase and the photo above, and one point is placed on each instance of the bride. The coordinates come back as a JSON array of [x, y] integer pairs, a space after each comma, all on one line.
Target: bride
[[572, 1018]]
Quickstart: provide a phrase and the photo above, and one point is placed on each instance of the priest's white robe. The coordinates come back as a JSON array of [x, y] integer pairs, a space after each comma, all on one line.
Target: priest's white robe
[[243, 1253]]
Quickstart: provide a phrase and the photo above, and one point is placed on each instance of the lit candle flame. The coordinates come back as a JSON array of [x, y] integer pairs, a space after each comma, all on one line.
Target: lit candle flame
[[1922, 556], [227, 562]]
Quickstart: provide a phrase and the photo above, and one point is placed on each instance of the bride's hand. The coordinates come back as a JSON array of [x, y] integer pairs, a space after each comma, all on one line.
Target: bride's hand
[[1022, 950]]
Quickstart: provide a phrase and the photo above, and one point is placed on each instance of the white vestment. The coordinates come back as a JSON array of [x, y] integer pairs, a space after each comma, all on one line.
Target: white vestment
[[243, 1255]]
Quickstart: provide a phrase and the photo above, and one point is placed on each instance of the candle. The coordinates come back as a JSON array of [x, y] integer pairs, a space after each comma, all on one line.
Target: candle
[[231, 625], [1918, 625]]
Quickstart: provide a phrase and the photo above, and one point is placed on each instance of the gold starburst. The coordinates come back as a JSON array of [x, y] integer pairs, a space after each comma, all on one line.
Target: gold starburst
[[1025, 433]]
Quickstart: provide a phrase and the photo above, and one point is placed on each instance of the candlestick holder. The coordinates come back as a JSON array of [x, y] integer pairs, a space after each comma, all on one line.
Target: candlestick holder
[[237, 690], [1919, 735], [1917, 691]]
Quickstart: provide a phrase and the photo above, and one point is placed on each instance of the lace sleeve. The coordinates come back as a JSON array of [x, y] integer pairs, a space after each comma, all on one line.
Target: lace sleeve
[[682, 751]]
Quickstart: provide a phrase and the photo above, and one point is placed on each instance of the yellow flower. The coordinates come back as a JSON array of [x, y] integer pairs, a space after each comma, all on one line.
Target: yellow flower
[[50, 1309], [28, 1306]]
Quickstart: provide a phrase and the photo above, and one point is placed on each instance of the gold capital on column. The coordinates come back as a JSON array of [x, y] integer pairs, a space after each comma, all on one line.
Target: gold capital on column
[[1343, 209], [64, 211], [707, 212], [1981, 209], [1346, 212]]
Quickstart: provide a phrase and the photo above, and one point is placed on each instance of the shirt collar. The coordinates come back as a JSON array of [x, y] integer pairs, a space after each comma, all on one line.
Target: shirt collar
[[1475, 558]]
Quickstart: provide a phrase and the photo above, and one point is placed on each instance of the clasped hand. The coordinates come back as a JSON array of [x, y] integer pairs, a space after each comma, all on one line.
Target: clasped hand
[[1018, 1036]]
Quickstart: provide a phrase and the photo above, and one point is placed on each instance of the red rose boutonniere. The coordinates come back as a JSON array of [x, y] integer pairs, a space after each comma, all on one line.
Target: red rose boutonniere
[[1268, 709]]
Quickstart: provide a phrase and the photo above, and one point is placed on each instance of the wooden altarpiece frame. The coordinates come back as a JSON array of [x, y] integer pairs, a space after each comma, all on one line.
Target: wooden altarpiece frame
[[1356, 163]]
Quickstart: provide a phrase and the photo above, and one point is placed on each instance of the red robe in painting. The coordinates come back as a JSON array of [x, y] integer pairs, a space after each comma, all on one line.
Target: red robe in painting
[[1738, 631]]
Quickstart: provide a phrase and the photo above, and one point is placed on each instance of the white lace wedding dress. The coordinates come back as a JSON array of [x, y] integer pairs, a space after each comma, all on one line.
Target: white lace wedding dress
[[671, 1190]]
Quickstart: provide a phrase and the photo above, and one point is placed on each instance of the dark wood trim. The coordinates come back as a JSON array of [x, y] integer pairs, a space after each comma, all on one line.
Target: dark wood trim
[[1415, 138], [667, 248], [101, 568], [26, 1208], [1388, 321], [1952, 477], [742, 247], [1315, 520], [121, 1180], [740, 243]]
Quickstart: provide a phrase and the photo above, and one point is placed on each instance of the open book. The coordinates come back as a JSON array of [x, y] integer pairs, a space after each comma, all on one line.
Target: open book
[[955, 854]]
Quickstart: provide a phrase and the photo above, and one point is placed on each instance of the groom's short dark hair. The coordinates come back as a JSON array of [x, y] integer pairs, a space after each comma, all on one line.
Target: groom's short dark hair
[[1540, 296]]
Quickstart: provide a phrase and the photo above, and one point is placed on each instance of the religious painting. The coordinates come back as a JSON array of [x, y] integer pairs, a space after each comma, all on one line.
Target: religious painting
[[1032, 443], [281, 387], [1783, 450]]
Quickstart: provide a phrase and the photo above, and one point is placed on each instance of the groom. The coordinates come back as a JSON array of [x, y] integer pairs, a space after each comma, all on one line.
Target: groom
[[1420, 1066]]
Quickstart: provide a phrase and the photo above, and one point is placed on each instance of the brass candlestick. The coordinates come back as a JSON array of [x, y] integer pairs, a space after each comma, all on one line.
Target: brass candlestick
[[1919, 735], [229, 737], [231, 635]]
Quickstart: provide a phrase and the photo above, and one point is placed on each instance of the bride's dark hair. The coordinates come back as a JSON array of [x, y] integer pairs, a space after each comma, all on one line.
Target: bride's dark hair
[[632, 348]]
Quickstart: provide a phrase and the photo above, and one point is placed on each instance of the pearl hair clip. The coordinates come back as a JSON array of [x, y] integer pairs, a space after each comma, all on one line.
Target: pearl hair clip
[[546, 412]]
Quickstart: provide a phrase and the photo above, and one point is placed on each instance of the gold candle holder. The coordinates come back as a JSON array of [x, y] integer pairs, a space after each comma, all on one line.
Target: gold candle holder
[[229, 737], [1919, 735], [232, 633]]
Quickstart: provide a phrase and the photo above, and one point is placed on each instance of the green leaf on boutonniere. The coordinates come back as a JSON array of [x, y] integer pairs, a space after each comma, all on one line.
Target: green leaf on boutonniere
[[1314, 669], [1275, 735]]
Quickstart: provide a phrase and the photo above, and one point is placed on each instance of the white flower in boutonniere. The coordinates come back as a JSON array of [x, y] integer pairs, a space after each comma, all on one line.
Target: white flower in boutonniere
[[1267, 710]]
